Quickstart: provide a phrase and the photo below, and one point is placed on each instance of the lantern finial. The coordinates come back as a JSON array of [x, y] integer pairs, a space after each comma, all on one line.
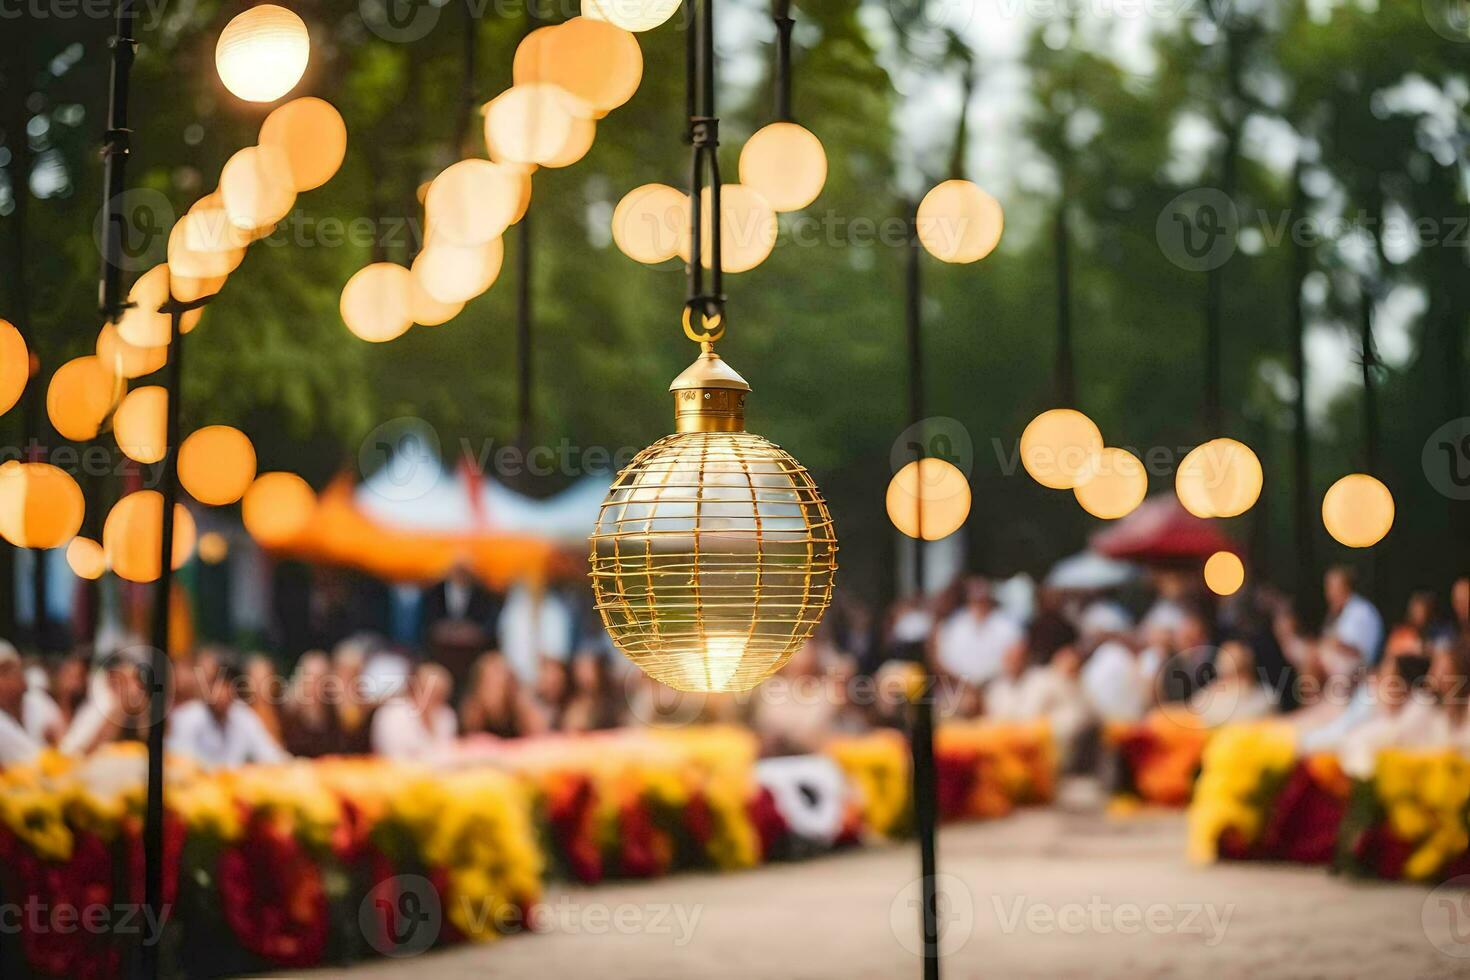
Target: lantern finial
[[709, 395]]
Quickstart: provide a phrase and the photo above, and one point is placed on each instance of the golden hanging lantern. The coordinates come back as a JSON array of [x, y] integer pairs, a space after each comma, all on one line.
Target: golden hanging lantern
[[713, 556]]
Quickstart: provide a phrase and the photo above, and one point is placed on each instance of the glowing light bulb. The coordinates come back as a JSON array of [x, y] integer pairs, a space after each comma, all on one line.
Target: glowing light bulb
[[650, 222], [631, 15], [529, 124], [458, 273], [473, 201], [41, 505], [959, 222], [1358, 510], [81, 393], [313, 138], [593, 60], [377, 302], [86, 558], [933, 491], [1111, 484], [132, 536], [217, 464], [140, 424], [786, 163], [1057, 444], [277, 507], [1224, 573], [1219, 478], [747, 229], [15, 365], [262, 53]]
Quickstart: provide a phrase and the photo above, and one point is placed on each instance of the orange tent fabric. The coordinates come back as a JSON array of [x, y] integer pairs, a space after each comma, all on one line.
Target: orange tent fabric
[[339, 533]]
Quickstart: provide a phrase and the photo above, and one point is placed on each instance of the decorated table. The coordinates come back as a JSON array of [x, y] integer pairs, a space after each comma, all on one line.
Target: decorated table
[[286, 867]]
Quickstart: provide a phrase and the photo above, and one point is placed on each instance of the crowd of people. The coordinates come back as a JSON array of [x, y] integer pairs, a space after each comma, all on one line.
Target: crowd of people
[[1078, 659]]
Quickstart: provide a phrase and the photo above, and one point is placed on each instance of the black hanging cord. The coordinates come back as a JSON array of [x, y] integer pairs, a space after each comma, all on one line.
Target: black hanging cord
[[781, 14], [704, 139], [117, 143]]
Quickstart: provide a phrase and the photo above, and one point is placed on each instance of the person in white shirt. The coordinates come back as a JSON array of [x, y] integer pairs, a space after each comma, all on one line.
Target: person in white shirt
[[1048, 693], [116, 708], [1406, 714], [1236, 693], [218, 730], [17, 746], [420, 723], [1354, 626], [535, 623], [972, 643]]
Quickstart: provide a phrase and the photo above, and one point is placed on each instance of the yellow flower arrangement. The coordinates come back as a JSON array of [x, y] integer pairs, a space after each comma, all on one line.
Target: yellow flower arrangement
[[1425, 795], [1237, 763], [877, 765], [38, 818]]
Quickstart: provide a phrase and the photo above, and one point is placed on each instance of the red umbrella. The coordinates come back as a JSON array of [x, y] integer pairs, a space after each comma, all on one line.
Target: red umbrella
[[1161, 530]]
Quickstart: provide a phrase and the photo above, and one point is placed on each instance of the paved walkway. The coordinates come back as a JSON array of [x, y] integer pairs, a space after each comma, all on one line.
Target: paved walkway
[[1043, 894]]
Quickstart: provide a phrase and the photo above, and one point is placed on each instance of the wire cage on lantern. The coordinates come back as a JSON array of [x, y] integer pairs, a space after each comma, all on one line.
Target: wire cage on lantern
[[714, 553]]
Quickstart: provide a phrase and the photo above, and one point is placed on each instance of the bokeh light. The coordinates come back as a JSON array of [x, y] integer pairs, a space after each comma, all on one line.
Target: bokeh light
[[473, 201], [650, 222], [1219, 478], [1057, 444], [214, 547], [216, 464], [1224, 573], [747, 229], [942, 489], [1111, 484], [377, 302], [127, 360], [428, 311], [81, 394], [15, 365], [312, 137], [631, 15], [593, 60], [86, 558], [529, 124], [1358, 510], [41, 506], [255, 187], [277, 507], [132, 536], [959, 222], [262, 53], [786, 163], [457, 274], [579, 141], [141, 324], [140, 424]]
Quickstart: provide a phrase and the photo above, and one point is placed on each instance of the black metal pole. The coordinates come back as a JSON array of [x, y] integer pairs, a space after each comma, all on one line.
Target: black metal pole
[[117, 144], [781, 14], [921, 736], [524, 317], [160, 667], [1062, 239], [1302, 515]]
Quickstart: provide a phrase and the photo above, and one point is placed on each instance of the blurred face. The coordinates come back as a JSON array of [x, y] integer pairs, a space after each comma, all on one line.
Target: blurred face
[[1015, 660], [1336, 589], [1191, 633], [1067, 661], [313, 673], [431, 689], [494, 679], [219, 694], [585, 674], [1234, 661], [551, 682]]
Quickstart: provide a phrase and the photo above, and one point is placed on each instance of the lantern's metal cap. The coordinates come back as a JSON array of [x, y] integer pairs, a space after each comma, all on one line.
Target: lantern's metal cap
[[709, 395]]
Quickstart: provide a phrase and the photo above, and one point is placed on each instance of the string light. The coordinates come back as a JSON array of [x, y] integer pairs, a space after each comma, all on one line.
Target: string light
[[377, 302], [593, 60], [748, 229], [132, 536], [86, 558], [311, 136], [41, 506], [1057, 444], [141, 324], [932, 491], [81, 394], [650, 223], [786, 164], [262, 53], [124, 359], [1219, 478], [631, 15], [140, 424], [255, 187], [529, 124], [1224, 573], [277, 508], [472, 202], [958, 222], [15, 365], [217, 464], [457, 274], [1111, 484], [1358, 510]]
